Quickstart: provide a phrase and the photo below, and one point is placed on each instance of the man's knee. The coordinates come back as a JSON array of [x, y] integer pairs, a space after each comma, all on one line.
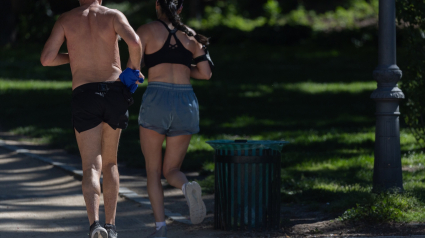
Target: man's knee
[[110, 168], [91, 181], [91, 171]]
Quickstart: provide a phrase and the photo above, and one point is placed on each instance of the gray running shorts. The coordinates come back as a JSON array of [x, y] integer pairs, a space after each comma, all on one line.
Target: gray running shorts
[[170, 109]]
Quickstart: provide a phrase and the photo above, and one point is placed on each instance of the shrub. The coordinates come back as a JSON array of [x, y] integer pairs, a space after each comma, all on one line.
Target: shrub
[[411, 15], [383, 207]]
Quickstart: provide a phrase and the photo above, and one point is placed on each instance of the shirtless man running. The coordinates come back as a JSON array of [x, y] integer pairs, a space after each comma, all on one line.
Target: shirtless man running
[[99, 99]]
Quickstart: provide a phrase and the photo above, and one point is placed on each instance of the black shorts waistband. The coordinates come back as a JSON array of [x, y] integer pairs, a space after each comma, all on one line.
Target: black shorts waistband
[[99, 87]]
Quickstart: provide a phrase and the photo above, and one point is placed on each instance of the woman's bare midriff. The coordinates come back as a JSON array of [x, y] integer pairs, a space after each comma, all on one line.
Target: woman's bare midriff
[[170, 73]]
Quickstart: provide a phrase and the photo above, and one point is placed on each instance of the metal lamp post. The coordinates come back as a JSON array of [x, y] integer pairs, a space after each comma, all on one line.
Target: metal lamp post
[[387, 172]]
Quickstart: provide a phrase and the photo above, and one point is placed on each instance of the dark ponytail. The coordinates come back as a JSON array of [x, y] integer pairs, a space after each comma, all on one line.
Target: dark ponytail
[[170, 8]]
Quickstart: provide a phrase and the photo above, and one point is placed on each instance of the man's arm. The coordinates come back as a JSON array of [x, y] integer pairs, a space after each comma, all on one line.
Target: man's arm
[[143, 32], [50, 55], [123, 28]]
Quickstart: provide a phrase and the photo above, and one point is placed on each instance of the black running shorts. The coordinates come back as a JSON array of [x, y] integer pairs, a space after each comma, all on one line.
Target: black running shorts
[[94, 103]]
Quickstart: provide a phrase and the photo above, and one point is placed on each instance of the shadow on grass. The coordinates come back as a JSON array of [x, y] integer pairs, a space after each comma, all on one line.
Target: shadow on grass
[[47, 114], [245, 99]]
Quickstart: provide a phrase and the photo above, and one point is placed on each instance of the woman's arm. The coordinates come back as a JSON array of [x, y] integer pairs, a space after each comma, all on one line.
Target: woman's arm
[[201, 70]]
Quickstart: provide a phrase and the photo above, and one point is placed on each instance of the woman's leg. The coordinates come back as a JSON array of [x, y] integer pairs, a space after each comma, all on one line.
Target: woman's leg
[[151, 143], [174, 155]]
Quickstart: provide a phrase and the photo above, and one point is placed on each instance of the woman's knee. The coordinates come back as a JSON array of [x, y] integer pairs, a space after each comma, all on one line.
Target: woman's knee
[[153, 172], [168, 172]]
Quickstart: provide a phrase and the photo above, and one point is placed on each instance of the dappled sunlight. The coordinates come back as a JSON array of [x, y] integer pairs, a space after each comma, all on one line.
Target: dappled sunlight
[[18, 172], [413, 160], [198, 142], [408, 141], [62, 183], [336, 164], [262, 90], [316, 88], [310, 136], [10, 84]]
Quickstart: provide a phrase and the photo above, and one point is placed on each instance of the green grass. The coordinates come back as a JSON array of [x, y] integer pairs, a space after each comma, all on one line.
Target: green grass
[[31, 85], [317, 99]]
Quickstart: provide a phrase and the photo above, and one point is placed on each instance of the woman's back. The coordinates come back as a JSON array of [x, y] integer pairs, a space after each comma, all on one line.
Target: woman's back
[[154, 38]]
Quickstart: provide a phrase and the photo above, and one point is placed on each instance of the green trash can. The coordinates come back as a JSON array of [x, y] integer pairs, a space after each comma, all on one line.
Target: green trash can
[[247, 184]]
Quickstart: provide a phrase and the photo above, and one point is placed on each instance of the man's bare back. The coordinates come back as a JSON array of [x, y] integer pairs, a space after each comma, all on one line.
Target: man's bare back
[[91, 32], [92, 44]]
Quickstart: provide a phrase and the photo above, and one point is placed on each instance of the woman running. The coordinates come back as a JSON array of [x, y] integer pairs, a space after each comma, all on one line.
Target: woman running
[[169, 109]]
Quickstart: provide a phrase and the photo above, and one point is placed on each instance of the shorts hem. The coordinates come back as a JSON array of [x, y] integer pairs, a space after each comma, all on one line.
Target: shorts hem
[[81, 130], [156, 129], [115, 127], [172, 134], [182, 134]]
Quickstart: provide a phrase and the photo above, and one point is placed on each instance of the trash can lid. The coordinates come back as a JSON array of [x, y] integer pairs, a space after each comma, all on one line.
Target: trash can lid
[[247, 144]]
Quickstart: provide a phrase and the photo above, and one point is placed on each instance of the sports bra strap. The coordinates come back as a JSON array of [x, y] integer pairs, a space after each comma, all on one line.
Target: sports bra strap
[[173, 31]]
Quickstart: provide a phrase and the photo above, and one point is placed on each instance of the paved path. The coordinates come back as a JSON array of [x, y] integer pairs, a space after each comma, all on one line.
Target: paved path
[[39, 200]]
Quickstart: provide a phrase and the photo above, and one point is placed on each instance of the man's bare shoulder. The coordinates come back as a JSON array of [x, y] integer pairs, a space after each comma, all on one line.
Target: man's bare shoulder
[[71, 14], [110, 11], [94, 9]]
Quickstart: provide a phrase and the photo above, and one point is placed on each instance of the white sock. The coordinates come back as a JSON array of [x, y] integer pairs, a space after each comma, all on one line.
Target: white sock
[[184, 189], [160, 224]]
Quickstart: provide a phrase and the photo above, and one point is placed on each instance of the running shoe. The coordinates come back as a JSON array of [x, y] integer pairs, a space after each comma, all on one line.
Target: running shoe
[[112, 230], [97, 231], [194, 201], [161, 233]]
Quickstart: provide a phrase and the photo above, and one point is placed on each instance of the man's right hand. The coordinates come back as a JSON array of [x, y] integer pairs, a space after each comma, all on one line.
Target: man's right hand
[[140, 81], [131, 78]]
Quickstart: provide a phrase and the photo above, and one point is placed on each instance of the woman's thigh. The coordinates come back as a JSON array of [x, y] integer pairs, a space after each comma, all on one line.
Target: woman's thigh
[[151, 143], [175, 151]]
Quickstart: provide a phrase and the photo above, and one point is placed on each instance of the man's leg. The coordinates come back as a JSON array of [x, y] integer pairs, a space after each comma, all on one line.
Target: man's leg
[[90, 143], [151, 143], [111, 181]]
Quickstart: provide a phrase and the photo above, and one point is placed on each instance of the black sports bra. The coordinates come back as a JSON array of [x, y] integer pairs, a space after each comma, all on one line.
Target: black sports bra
[[173, 54]]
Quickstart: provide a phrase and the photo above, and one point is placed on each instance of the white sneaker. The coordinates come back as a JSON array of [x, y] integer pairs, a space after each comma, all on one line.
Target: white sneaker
[[194, 201]]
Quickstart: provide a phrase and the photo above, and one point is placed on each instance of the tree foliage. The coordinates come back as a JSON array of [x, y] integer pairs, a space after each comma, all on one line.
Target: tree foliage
[[411, 15]]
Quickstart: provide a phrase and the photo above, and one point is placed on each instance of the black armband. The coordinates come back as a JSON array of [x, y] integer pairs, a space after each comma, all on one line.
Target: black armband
[[205, 57]]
